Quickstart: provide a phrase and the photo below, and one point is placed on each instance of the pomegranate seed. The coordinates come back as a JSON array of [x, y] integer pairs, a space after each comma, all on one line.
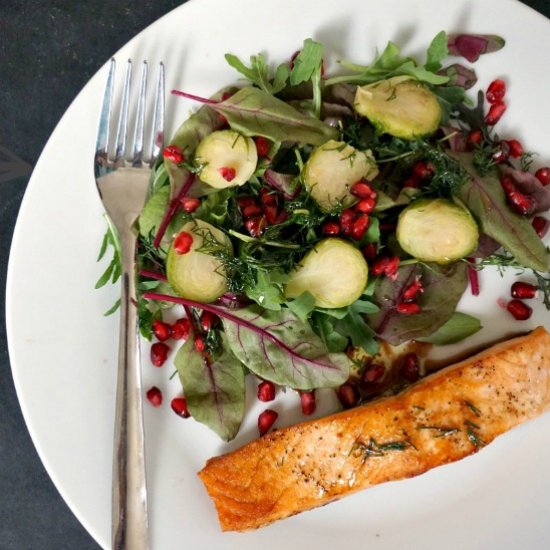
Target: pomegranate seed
[[266, 420], [373, 373], [182, 242], [540, 225], [190, 204], [543, 175], [366, 205], [331, 228], [207, 320], [200, 344], [475, 138], [410, 368], [412, 181], [283, 215], [515, 148], [423, 170], [522, 204], [262, 146], [251, 210], [362, 190], [501, 155], [266, 391], [154, 395], [181, 329], [307, 400], [495, 113], [346, 220], [268, 197], [271, 214], [392, 267], [413, 290], [496, 91], [408, 308], [179, 406], [255, 226], [359, 227], [519, 310], [524, 291], [370, 250], [348, 394], [159, 353], [243, 202], [226, 95], [228, 173], [161, 330], [173, 153], [379, 265]]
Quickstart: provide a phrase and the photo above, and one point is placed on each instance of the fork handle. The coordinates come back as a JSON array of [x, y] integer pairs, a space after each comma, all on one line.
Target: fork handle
[[129, 497]]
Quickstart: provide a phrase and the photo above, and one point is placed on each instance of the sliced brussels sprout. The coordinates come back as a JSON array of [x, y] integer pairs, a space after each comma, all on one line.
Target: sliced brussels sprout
[[400, 106], [227, 158], [334, 272], [437, 230], [197, 275], [332, 169]]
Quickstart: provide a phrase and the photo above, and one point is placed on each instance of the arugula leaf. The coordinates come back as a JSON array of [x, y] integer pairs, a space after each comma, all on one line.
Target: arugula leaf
[[259, 74], [302, 306], [457, 328], [437, 51], [355, 327], [215, 391], [323, 326], [265, 292]]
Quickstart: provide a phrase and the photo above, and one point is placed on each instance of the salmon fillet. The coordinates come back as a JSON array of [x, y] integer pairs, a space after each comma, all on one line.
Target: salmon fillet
[[442, 418]]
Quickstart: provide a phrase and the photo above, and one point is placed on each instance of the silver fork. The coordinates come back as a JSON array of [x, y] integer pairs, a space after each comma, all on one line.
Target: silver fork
[[123, 186]]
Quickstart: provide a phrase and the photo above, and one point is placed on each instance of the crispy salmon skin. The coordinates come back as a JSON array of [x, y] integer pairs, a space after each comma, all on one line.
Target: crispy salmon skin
[[442, 418]]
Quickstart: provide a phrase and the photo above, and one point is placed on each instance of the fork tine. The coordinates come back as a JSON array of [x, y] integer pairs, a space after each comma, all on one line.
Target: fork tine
[[102, 142], [158, 117], [137, 154], [122, 130]]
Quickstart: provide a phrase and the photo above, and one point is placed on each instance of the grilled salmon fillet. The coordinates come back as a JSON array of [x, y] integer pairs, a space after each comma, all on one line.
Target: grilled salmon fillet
[[442, 418]]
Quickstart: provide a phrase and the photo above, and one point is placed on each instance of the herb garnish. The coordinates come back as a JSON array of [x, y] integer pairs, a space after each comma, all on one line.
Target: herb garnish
[[374, 449]]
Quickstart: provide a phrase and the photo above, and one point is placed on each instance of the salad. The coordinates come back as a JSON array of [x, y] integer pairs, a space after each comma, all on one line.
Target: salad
[[319, 231]]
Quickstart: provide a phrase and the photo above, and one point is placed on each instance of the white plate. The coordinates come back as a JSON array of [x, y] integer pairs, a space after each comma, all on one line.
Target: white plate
[[63, 350]]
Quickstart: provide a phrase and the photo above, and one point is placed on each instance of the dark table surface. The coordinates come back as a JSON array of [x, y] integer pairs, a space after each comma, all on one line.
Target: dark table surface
[[48, 51]]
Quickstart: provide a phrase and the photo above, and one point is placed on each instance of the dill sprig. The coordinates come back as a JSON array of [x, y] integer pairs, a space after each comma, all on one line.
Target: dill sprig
[[374, 449]]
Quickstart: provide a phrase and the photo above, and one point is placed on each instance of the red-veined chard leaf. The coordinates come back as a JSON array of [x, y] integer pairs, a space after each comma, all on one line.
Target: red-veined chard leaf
[[276, 345], [254, 112], [486, 200], [460, 76], [457, 328], [215, 391], [444, 285], [471, 46]]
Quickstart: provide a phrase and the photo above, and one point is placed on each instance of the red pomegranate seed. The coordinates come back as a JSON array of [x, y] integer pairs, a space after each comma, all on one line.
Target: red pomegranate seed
[[519, 310], [496, 91], [412, 181], [347, 218], [283, 215], [243, 202], [266, 420], [373, 373], [181, 329], [475, 138], [228, 173], [226, 95], [362, 190], [392, 267], [307, 400], [522, 204], [348, 394], [515, 148], [408, 308], [161, 330], [262, 146], [495, 113], [255, 226], [501, 155], [159, 353], [378, 267], [543, 175], [271, 214], [366, 206], [154, 395], [540, 225], [266, 391], [190, 204], [360, 226], [413, 290], [251, 210], [423, 170], [179, 406], [331, 228], [410, 368], [268, 197], [200, 344], [523, 291], [207, 320], [173, 153], [182, 242], [369, 251]]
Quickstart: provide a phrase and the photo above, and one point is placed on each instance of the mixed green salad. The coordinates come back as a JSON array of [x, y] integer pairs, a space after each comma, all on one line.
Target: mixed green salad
[[298, 222]]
